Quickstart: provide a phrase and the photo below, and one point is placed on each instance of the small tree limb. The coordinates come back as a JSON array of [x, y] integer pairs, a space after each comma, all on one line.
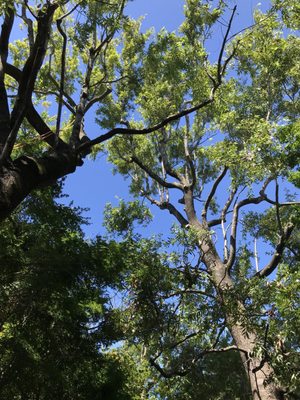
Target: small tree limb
[[275, 260]]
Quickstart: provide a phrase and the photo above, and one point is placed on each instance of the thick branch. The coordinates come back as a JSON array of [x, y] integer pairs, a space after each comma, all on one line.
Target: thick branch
[[4, 110], [29, 75], [62, 74], [187, 152], [29, 24], [33, 117], [28, 173]]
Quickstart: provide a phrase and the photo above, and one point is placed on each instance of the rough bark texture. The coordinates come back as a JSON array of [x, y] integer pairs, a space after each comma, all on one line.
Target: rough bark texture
[[19, 178], [260, 373]]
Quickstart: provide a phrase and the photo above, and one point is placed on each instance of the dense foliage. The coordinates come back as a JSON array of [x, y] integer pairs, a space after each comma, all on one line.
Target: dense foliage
[[211, 138], [55, 316]]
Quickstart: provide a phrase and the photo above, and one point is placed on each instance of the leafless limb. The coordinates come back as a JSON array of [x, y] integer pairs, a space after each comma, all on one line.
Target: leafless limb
[[56, 94], [29, 24], [97, 99], [65, 94], [212, 193], [237, 207], [183, 372], [222, 67], [187, 151], [170, 207], [277, 207], [164, 157], [188, 291], [157, 178], [272, 265], [33, 117], [256, 255]]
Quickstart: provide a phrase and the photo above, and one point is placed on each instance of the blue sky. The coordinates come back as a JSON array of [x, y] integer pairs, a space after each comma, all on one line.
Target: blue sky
[[93, 185]]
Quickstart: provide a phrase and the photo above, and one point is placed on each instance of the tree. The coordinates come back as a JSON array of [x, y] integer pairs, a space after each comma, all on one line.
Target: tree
[[244, 103], [56, 318], [245, 147], [88, 50]]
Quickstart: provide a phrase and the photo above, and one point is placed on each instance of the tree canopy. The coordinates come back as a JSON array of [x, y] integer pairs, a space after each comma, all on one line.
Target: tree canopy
[[213, 141]]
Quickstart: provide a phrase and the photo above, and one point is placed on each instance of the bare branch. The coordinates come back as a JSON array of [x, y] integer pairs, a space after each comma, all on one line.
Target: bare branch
[[164, 157], [242, 203], [157, 178], [66, 95], [123, 131], [212, 193], [222, 69], [188, 291], [96, 99], [29, 24], [80, 109], [277, 207], [170, 207], [183, 372], [256, 255], [187, 151], [272, 265], [33, 117]]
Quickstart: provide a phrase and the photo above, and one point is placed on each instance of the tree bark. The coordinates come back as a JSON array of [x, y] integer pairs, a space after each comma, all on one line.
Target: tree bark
[[259, 371], [19, 177]]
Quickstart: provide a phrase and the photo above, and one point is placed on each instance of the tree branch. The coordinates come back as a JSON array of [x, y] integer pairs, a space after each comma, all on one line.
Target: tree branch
[[168, 206], [222, 69], [187, 152], [29, 24], [29, 75], [171, 373], [33, 117], [154, 176], [188, 291], [212, 193], [4, 111], [272, 265], [242, 203], [130, 131], [96, 99], [62, 73]]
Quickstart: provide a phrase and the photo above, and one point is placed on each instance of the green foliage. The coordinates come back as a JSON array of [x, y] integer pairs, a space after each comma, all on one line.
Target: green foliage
[[55, 311], [121, 219], [56, 316]]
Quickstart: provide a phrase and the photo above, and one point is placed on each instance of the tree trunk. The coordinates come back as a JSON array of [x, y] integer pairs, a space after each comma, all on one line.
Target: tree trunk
[[20, 177], [259, 372]]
